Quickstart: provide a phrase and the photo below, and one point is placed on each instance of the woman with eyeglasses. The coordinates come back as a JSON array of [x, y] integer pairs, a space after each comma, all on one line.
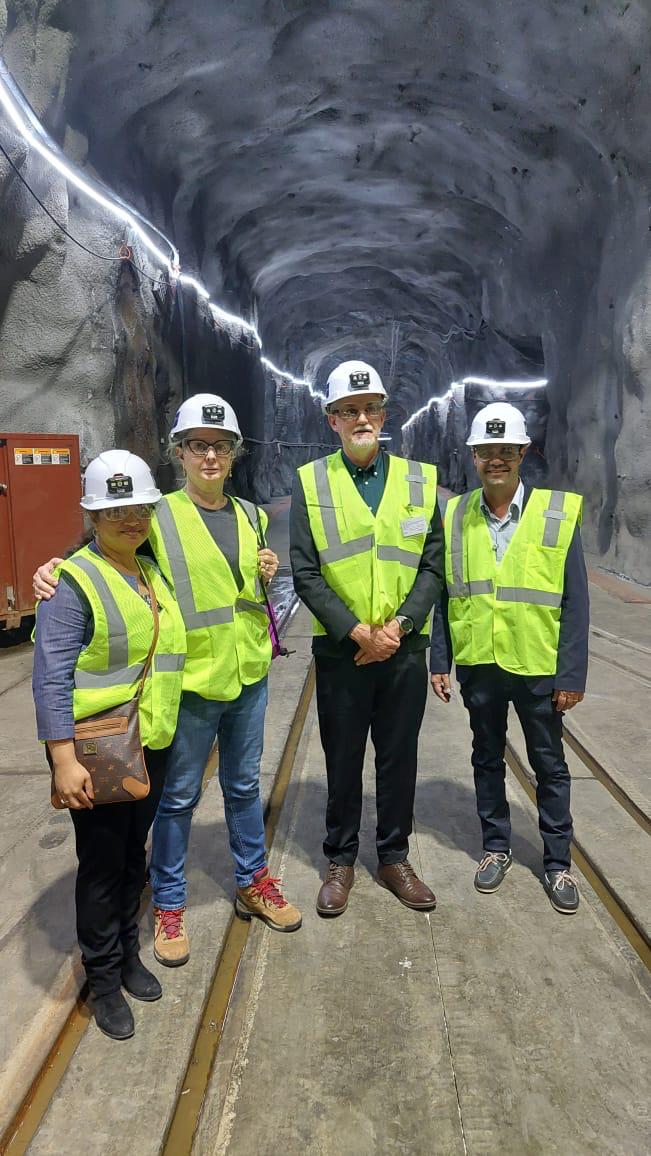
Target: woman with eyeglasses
[[206, 544], [92, 645]]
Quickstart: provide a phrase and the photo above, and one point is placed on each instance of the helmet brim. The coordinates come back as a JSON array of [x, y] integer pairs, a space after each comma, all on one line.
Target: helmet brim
[[498, 442], [356, 395], [179, 435], [146, 498]]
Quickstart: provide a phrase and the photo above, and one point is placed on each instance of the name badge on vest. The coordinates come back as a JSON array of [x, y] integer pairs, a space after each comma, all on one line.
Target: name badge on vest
[[411, 527]]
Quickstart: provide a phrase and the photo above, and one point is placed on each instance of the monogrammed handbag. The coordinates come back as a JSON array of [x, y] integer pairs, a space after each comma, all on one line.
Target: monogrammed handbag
[[108, 744]]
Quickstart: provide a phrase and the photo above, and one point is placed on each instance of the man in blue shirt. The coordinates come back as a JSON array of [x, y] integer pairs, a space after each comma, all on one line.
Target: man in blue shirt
[[487, 688]]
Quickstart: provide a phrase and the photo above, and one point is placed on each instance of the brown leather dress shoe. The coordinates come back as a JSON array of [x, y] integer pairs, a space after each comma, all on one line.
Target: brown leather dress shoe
[[333, 895], [405, 884]]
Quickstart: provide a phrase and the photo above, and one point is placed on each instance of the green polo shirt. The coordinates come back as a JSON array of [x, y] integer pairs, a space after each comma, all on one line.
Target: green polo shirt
[[369, 481]]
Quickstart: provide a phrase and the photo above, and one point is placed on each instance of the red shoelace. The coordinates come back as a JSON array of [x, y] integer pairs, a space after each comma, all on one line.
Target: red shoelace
[[267, 889], [171, 922]]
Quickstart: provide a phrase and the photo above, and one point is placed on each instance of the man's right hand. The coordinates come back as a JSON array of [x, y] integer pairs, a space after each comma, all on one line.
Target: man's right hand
[[44, 582], [441, 686], [375, 644]]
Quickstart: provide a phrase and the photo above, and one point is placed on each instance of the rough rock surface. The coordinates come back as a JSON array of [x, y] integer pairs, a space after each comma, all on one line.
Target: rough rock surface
[[447, 189]]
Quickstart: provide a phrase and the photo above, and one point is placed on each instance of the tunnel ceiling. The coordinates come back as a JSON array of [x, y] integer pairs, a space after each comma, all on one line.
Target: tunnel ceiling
[[395, 179], [445, 188]]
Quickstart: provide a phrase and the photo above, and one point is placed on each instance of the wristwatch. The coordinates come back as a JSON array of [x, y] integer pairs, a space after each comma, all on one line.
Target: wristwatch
[[406, 624]]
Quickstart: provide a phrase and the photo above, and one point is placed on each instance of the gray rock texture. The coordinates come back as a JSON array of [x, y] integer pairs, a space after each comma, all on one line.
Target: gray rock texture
[[446, 189]]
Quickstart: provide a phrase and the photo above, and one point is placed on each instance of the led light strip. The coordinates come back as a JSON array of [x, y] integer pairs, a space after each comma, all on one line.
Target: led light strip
[[27, 124], [24, 120], [537, 383]]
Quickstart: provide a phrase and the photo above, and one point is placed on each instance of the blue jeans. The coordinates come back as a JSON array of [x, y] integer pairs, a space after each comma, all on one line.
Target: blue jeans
[[239, 728]]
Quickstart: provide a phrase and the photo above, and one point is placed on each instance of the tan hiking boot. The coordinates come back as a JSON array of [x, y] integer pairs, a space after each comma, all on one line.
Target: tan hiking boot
[[171, 943], [264, 899]]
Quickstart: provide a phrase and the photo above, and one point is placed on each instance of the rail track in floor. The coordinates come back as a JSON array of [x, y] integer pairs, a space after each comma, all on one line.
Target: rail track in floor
[[22, 1129], [185, 1118], [627, 921]]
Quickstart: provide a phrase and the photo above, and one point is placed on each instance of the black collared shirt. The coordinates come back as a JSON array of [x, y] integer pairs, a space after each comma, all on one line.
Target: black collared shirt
[[369, 480]]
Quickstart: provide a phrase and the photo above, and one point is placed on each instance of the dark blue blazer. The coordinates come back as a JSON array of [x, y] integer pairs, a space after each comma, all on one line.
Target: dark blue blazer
[[572, 667]]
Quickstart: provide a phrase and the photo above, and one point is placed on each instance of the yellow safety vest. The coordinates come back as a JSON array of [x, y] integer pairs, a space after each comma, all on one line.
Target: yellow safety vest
[[370, 562], [509, 612], [227, 628], [108, 671]]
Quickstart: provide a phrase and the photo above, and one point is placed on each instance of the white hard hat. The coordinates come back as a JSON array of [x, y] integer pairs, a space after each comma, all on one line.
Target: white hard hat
[[351, 379], [118, 478], [205, 411], [499, 423]]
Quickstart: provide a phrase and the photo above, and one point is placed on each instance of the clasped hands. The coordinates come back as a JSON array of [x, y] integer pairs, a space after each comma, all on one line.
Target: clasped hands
[[376, 643]]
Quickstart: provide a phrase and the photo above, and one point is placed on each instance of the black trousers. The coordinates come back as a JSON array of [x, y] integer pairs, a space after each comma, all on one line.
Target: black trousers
[[487, 691], [387, 698], [110, 843]]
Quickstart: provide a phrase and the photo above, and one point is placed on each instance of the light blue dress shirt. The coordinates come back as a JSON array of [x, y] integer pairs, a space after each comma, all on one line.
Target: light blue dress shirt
[[502, 530]]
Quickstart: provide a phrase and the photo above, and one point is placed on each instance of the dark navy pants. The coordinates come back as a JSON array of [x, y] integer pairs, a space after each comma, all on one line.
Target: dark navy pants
[[388, 699], [486, 692]]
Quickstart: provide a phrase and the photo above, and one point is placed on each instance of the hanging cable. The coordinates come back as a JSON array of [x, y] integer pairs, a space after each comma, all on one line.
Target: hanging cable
[[91, 252], [293, 445]]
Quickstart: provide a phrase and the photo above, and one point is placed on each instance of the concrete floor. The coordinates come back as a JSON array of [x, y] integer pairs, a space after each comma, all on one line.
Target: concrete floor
[[493, 1026]]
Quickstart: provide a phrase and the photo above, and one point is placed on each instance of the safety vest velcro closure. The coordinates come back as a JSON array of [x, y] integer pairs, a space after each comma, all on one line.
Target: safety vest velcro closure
[[244, 604], [504, 593], [525, 594], [169, 663], [339, 550], [126, 675], [202, 619], [416, 479], [470, 589], [114, 676], [553, 516], [396, 554]]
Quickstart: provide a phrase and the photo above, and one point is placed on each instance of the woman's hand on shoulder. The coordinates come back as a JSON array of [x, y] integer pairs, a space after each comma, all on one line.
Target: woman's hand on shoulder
[[44, 582]]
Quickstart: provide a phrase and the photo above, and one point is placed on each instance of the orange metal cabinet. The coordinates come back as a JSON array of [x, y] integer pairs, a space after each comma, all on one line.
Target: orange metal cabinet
[[40, 516]]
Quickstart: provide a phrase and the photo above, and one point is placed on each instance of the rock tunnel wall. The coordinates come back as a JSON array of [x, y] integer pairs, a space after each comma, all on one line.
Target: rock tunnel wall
[[445, 190]]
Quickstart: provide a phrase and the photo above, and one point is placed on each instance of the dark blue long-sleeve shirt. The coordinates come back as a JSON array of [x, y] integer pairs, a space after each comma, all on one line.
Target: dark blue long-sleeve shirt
[[64, 627]]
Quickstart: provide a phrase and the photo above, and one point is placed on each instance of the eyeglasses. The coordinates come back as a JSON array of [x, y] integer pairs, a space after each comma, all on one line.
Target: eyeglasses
[[120, 513], [373, 409], [200, 449], [505, 453]]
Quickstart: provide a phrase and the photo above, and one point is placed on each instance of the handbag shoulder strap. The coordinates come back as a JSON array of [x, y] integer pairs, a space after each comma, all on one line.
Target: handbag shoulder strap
[[153, 602]]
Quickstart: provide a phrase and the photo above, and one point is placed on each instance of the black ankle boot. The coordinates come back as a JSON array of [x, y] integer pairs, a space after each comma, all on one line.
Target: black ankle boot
[[113, 1015], [139, 981]]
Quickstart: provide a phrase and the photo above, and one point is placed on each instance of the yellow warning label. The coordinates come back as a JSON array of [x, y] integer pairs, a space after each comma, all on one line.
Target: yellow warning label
[[41, 456]]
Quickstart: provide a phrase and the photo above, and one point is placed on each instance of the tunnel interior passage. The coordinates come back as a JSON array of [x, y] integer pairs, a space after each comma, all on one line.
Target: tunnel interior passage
[[445, 190]]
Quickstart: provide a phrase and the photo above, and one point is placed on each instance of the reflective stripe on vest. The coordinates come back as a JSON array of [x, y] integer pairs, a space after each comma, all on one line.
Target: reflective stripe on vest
[[509, 612], [109, 669], [553, 516], [117, 671], [370, 561], [194, 619], [225, 616], [336, 549], [416, 479]]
